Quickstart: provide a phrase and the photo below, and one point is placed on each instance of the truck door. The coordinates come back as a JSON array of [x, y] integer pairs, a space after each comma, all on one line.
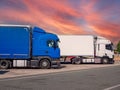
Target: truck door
[[100, 50], [104, 50], [53, 48], [109, 50]]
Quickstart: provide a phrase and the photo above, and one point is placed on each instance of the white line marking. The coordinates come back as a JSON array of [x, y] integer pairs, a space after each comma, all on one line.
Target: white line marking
[[110, 88]]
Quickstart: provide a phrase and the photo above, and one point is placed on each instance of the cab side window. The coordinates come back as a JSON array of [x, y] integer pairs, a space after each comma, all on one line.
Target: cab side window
[[50, 43]]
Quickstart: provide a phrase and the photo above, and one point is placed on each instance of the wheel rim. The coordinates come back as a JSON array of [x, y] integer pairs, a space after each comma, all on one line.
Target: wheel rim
[[3, 64], [77, 61], [105, 60], [44, 64]]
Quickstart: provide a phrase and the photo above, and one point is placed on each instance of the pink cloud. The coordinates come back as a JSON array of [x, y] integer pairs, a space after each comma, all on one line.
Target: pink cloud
[[59, 17]]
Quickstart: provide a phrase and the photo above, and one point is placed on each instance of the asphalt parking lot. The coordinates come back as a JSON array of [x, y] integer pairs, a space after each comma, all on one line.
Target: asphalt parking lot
[[16, 72], [69, 77]]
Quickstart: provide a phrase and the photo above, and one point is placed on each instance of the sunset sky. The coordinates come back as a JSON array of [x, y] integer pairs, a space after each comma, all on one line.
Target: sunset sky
[[96, 17]]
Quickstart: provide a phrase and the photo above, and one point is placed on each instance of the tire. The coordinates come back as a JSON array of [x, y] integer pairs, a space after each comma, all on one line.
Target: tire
[[76, 61], [4, 64], [105, 60], [72, 60], [45, 64], [112, 62]]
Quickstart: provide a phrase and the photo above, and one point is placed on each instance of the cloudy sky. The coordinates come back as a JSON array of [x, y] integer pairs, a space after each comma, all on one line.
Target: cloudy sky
[[96, 17]]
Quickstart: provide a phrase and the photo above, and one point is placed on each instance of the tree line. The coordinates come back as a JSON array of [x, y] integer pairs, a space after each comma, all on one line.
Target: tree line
[[117, 50]]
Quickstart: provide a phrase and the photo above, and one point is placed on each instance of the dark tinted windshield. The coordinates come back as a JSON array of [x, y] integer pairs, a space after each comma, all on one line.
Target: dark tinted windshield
[[109, 47]]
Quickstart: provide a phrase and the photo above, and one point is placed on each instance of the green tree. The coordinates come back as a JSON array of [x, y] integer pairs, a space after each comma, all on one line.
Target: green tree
[[118, 47]]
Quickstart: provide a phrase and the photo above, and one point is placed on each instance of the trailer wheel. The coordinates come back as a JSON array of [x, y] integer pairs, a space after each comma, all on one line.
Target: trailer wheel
[[4, 64], [45, 64], [72, 61], [76, 61], [105, 60]]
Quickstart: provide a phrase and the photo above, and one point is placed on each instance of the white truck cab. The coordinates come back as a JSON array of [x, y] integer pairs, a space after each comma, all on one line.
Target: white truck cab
[[104, 49]]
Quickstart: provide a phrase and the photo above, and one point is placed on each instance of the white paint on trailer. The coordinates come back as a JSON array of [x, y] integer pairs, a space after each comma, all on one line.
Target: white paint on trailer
[[76, 45]]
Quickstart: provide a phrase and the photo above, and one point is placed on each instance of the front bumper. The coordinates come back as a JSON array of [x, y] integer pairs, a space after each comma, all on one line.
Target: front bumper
[[112, 61]]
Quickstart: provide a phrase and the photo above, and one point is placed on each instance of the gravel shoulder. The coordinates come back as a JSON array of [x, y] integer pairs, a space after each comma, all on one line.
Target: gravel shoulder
[[16, 72]]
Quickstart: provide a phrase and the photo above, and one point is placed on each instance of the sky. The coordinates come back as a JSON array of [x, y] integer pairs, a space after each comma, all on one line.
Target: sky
[[79, 17]]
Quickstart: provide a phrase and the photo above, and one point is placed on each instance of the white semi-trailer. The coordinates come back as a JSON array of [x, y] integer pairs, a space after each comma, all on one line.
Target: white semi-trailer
[[86, 49]]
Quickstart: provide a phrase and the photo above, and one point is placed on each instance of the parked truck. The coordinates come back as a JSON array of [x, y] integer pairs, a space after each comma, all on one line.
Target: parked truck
[[27, 46], [86, 49]]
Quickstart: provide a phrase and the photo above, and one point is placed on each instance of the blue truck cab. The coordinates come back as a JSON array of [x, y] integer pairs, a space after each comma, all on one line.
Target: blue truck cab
[[26, 46]]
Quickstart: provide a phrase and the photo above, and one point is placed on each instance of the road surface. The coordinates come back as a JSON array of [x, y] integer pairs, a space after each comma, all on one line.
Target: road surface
[[105, 78]]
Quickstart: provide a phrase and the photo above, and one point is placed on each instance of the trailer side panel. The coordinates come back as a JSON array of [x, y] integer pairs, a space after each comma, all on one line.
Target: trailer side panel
[[14, 42], [75, 45]]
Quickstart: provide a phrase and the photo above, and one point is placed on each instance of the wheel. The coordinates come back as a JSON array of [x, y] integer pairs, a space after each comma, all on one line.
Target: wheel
[[76, 61], [72, 61], [45, 64], [112, 62], [4, 64], [105, 60]]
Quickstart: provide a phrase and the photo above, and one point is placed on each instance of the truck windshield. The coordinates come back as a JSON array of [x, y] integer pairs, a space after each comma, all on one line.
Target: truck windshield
[[109, 47], [57, 43]]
